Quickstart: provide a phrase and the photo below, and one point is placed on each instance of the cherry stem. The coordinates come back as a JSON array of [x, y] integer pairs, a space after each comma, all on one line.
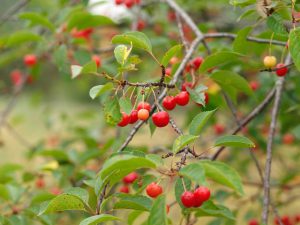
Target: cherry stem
[[183, 184]]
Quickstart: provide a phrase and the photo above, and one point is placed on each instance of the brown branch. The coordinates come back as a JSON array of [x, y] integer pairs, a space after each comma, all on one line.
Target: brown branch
[[100, 199], [14, 9]]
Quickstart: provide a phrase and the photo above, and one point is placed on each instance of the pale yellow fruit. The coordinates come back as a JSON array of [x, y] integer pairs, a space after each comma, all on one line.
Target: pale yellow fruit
[[270, 61]]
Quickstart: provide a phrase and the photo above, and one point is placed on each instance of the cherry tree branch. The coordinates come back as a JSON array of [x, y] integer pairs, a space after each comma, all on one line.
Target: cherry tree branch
[[14, 9]]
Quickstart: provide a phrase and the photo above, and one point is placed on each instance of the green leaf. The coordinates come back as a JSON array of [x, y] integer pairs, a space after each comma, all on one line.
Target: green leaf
[[230, 81], [209, 209], [134, 38], [100, 89], [133, 216], [112, 111], [223, 174], [294, 46], [88, 68], [121, 54], [198, 97], [158, 213], [234, 141], [21, 37], [275, 23], [94, 220], [183, 141], [80, 193], [60, 59], [4, 193], [174, 51], [64, 202], [75, 70], [82, 20], [194, 172], [218, 59], [136, 202], [125, 105], [37, 19], [240, 43], [199, 122]]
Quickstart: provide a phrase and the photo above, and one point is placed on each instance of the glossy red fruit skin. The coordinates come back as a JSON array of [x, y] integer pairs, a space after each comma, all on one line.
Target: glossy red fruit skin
[[185, 85], [141, 25], [197, 62], [133, 116], [144, 105], [182, 98], [125, 120], [253, 222], [254, 85], [129, 3], [30, 60], [169, 103], [97, 60], [119, 2], [130, 178], [143, 114], [171, 16], [201, 194], [124, 189], [168, 71], [187, 199], [281, 72], [153, 190], [161, 119], [219, 129]]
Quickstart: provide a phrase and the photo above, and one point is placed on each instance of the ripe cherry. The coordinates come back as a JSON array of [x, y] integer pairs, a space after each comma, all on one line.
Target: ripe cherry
[[40, 183], [206, 98], [169, 103], [219, 129], [154, 190], [30, 60], [160, 119], [174, 60], [16, 77], [124, 189], [254, 85], [141, 24], [288, 139], [119, 2], [97, 60], [168, 71], [185, 85], [201, 194], [124, 121], [197, 62], [182, 98], [187, 199], [143, 114], [281, 71], [129, 3], [133, 116], [171, 16], [270, 61], [55, 191], [130, 178], [253, 222], [144, 105]]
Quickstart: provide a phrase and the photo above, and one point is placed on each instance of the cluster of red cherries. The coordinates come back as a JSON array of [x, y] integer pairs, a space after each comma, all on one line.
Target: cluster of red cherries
[[128, 3], [127, 180], [285, 220], [195, 199], [160, 119], [271, 61]]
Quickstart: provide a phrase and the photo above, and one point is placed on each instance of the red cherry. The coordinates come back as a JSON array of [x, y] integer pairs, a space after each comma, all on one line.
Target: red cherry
[[174, 60], [55, 191], [40, 183], [219, 129], [188, 67], [169, 103], [160, 119], [282, 71], [137, 2], [154, 190], [185, 85], [124, 189], [168, 71], [85, 33], [130, 178], [29, 79], [30, 60], [97, 60], [143, 114], [201, 194], [141, 24], [206, 99], [144, 105], [119, 2], [297, 219], [171, 16], [187, 199], [129, 3], [254, 85], [133, 116], [288, 139], [197, 62], [253, 222], [125, 120], [16, 77], [182, 98]]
